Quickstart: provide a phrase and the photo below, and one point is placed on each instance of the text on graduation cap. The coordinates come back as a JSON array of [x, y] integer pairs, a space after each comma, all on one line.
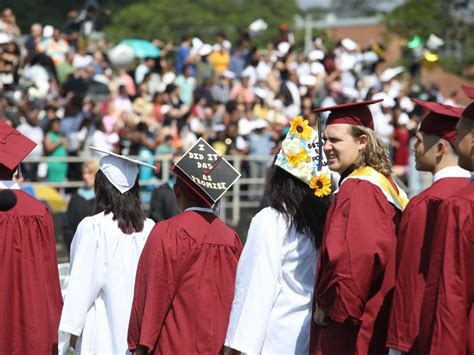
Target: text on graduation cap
[[207, 169]]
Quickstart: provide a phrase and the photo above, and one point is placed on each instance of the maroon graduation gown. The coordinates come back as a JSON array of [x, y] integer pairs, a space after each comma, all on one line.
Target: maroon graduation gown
[[447, 315], [185, 286], [356, 271], [30, 295], [413, 255]]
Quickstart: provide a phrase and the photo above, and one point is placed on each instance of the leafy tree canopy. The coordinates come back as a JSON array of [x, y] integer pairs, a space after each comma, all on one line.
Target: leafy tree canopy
[[415, 17], [171, 19]]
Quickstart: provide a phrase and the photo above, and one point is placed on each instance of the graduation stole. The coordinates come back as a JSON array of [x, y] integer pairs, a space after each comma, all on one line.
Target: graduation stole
[[398, 199]]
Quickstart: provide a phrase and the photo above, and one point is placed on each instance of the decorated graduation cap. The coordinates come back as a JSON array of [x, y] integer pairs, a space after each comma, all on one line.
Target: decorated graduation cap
[[205, 173], [441, 120], [14, 146], [354, 113], [302, 156], [469, 110], [120, 170]]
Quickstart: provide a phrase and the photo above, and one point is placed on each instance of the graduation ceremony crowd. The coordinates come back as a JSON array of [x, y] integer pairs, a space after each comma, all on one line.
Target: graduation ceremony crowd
[[339, 261]]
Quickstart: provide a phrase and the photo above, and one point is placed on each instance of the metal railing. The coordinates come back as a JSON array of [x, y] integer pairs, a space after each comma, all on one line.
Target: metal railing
[[247, 192], [231, 204]]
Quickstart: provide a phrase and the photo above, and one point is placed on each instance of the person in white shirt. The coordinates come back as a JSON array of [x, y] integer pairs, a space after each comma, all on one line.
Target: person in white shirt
[[271, 310], [104, 258]]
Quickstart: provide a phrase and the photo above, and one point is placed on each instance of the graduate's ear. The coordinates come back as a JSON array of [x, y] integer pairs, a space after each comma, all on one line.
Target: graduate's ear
[[442, 148], [362, 141], [177, 191]]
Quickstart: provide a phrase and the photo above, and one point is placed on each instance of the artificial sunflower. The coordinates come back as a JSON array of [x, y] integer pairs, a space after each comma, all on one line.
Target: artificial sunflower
[[296, 159], [299, 126], [321, 185]]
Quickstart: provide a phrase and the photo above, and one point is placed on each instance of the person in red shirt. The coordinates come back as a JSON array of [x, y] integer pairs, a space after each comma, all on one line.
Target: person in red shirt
[[356, 270], [30, 295], [435, 152], [186, 274], [447, 314]]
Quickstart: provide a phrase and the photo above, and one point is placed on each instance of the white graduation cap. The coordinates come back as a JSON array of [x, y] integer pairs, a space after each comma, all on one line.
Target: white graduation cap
[[205, 49], [308, 80], [316, 54], [120, 170], [197, 43], [283, 48], [349, 44], [4, 38], [228, 74], [434, 42], [390, 73], [48, 31], [168, 77], [121, 55], [257, 27]]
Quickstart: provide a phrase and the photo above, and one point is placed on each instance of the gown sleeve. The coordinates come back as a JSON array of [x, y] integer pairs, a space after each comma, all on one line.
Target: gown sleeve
[[51, 271], [359, 242], [412, 265], [87, 276], [162, 260], [449, 292], [257, 282]]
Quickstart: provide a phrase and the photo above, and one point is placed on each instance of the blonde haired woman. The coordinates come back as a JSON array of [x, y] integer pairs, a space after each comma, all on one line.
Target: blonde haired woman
[[356, 265]]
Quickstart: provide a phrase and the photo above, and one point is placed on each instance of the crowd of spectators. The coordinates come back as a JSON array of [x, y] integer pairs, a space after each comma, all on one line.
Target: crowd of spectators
[[63, 90]]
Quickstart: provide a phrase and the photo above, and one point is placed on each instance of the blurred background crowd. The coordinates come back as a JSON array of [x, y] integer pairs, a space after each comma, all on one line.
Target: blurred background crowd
[[68, 87]]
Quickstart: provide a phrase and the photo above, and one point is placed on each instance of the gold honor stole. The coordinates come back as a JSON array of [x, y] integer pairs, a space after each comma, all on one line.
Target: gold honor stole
[[398, 199]]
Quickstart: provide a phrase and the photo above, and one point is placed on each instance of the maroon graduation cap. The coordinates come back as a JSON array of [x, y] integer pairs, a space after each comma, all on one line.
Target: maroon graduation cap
[[354, 113], [441, 120], [205, 173], [469, 110], [14, 146]]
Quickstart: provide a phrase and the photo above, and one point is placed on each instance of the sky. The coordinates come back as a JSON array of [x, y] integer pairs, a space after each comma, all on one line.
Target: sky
[[325, 3]]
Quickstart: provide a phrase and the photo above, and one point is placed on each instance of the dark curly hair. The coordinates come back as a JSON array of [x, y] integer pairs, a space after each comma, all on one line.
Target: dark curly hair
[[126, 208], [297, 202]]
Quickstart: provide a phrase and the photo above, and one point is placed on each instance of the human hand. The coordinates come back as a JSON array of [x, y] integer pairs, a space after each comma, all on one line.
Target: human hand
[[320, 317], [73, 341]]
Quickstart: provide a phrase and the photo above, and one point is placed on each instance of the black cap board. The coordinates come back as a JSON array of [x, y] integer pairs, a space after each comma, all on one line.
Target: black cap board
[[207, 173]]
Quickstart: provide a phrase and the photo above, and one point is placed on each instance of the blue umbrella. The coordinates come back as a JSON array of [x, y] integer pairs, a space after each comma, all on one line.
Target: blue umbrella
[[142, 48]]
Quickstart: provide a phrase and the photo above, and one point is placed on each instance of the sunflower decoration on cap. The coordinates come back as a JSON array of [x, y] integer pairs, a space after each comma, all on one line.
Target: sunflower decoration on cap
[[301, 156], [321, 185], [300, 127]]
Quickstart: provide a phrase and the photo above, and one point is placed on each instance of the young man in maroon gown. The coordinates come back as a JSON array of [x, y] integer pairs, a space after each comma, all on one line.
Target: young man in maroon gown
[[186, 274], [447, 316], [435, 152], [30, 295], [356, 271]]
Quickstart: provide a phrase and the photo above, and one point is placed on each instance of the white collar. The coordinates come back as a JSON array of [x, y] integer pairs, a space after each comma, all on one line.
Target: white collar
[[451, 171], [200, 209], [9, 185]]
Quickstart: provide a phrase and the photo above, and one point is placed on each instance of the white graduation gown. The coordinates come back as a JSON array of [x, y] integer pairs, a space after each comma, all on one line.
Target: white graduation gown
[[99, 296], [271, 311]]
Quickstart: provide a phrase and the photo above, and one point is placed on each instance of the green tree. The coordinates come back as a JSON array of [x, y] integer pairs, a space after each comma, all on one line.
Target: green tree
[[166, 19], [415, 17], [442, 18], [53, 12]]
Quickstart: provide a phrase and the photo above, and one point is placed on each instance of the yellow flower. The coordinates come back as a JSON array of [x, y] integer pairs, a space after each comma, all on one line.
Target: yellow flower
[[299, 126], [296, 159], [321, 185]]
